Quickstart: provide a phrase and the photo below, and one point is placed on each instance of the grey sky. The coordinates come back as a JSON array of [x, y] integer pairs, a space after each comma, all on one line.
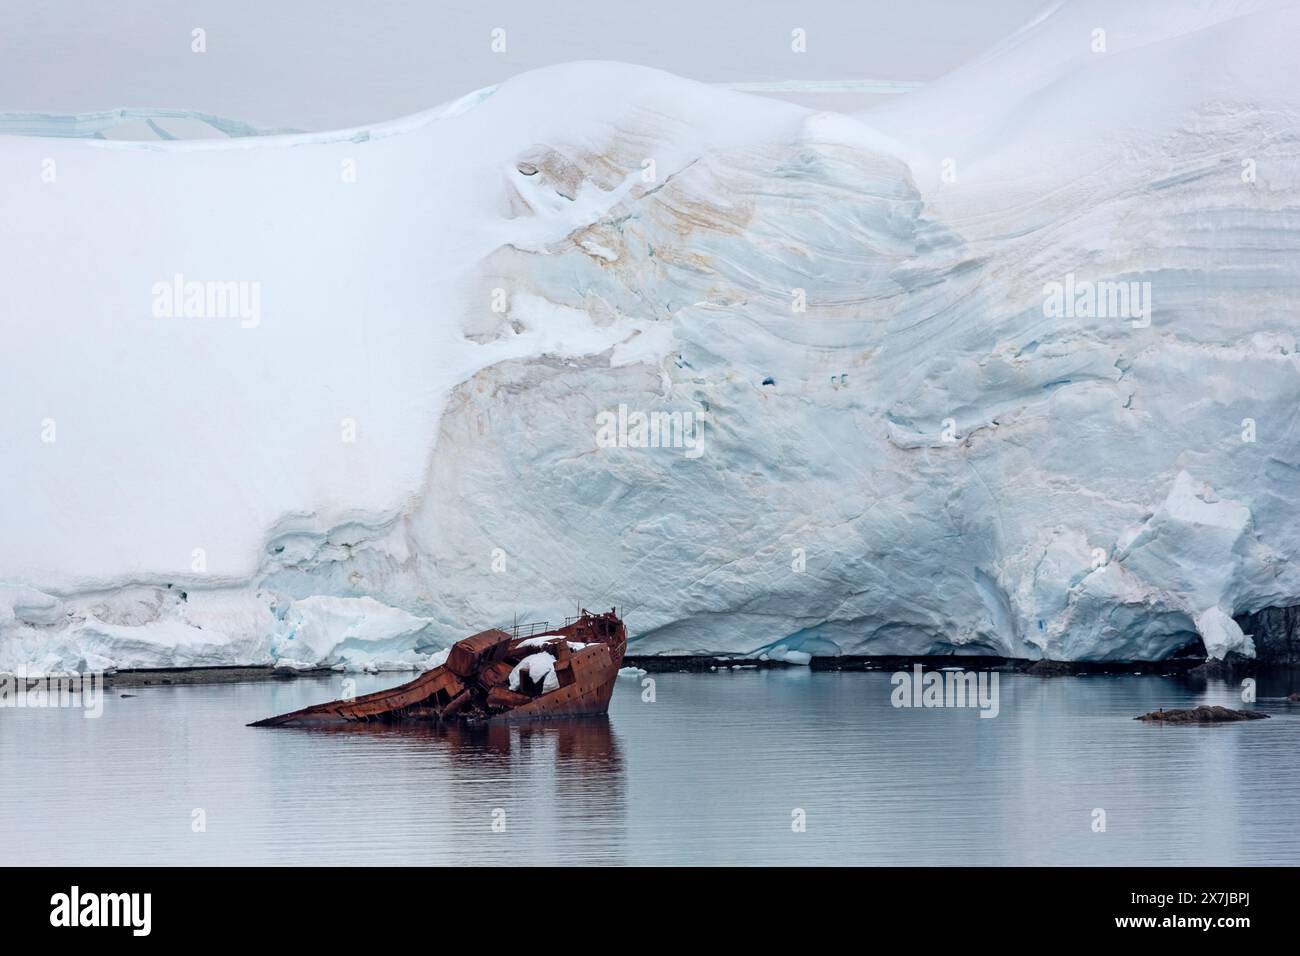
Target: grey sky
[[317, 64]]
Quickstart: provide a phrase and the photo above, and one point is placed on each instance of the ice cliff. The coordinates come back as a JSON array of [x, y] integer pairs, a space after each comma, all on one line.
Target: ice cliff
[[1008, 367]]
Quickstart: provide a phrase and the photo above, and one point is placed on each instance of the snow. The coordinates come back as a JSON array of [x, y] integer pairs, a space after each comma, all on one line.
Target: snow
[[357, 633], [941, 466], [540, 668], [142, 627], [543, 641], [548, 641], [130, 627]]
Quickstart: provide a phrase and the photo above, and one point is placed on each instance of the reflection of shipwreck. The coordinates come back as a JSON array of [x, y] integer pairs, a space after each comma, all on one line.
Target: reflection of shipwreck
[[528, 671]]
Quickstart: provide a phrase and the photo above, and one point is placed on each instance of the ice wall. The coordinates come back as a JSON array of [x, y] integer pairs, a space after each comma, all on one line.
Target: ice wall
[[905, 423]]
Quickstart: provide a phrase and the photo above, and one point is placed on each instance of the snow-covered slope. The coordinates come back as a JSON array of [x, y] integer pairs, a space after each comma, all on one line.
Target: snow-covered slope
[[898, 436]]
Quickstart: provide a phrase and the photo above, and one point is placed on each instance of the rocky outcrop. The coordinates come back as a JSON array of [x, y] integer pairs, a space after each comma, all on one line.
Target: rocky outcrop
[[1276, 633], [1202, 715]]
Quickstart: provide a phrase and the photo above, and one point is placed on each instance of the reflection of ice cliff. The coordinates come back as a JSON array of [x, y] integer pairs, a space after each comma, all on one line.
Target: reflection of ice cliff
[[903, 452]]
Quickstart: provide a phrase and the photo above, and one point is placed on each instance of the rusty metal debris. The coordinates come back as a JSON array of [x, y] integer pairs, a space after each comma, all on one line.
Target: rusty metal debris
[[526, 671]]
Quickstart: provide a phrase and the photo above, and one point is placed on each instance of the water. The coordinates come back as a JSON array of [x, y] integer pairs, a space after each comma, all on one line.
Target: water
[[711, 772]]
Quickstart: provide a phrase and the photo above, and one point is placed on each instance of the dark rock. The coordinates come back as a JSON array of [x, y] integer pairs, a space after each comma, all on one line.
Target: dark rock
[[1294, 697], [1276, 633], [1231, 667], [1046, 668], [1202, 715]]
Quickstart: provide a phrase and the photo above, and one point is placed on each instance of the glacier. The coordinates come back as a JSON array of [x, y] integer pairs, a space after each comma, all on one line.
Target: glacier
[[913, 442], [132, 125]]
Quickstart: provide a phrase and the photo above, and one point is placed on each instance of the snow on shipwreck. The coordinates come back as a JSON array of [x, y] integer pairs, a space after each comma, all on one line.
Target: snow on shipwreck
[[384, 414]]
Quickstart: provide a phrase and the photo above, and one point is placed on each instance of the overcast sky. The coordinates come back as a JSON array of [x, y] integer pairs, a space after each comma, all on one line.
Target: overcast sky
[[319, 64]]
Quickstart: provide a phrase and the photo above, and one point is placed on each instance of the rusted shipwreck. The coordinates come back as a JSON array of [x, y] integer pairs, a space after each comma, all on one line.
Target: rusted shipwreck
[[528, 671]]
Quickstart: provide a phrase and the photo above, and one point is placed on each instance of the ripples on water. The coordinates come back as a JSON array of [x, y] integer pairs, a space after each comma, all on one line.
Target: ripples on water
[[708, 773]]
